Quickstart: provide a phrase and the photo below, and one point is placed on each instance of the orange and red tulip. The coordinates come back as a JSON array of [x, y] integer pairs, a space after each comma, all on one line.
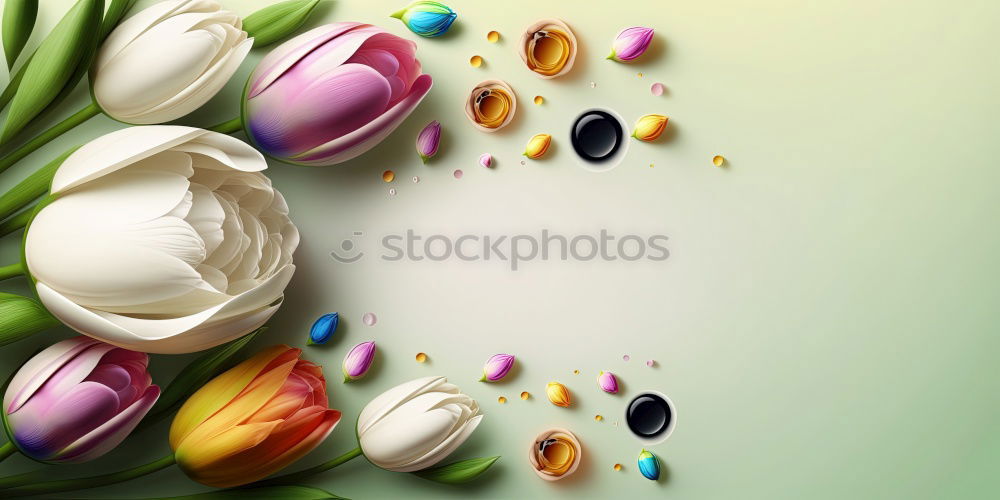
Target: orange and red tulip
[[253, 420]]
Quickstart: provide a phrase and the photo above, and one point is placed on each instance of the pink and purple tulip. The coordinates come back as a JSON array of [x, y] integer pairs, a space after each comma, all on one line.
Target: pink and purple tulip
[[358, 361], [77, 400], [497, 367], [332, 93], [428, 140], [630, 43], [608, 382]]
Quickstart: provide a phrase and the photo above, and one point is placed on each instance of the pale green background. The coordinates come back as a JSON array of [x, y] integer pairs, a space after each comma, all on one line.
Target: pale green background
[[826, 323]]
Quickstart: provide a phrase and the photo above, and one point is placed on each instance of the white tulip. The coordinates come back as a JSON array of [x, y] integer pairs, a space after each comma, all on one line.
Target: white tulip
[[168, 60], [416, 424], [162, 239]]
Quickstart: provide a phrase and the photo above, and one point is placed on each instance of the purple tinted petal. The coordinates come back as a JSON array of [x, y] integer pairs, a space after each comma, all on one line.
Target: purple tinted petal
[[39, 368], [286, 55], [359, 359], [632, 42], [42, 430], [498, 366], [110, 434], [428, 139], [361, 140]]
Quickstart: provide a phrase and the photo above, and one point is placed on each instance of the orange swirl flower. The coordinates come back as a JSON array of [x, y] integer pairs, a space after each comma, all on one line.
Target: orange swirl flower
[[253, 420]]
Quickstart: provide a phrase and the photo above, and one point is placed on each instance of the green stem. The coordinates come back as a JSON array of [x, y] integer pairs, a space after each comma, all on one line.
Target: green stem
[[82, 483], [16, 222], [90, 111], [6, 450], [228, 127], [7, 272], [296, 477], [30, 189]]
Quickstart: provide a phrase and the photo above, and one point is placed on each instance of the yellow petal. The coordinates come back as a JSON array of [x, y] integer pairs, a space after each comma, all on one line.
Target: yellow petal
[[649, 127], [205, 460], [537, 146], [218, 392], [558, 394]]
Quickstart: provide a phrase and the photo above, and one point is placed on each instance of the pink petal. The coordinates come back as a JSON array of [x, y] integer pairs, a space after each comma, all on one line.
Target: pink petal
[[110, 434], [43, 430], [286, 55], [361, 140], [286, 120], [39, 368]]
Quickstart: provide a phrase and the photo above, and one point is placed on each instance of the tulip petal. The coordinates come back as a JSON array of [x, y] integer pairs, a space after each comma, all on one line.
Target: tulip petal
[[219, 391], [30, 377], [129, 29], [198, 458], [163, 336], [288, 54], [444, 449], [117, 150], [42, 430], [411, 430], [391, 399], [357, 142], [112, 432], [228, 152]]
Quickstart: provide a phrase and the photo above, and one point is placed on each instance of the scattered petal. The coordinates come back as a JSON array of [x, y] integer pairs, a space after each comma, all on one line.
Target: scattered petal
[[358, 361], [558, 394], [650, 127], [427, 18], [323, 328], [486, 160], [497, 367], [630, 43], [649, 465], [608, 382], [538, 145], [428, 141]]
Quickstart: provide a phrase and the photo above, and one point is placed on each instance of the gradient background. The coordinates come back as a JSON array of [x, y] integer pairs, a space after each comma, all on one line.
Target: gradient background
[[826, 323]]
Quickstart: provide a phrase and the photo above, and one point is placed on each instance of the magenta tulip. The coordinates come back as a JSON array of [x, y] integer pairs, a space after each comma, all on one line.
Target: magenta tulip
[[77, 400], [608, 382], [358, 361], [428, 141], [332, 93], [497, 367], [631, 43]]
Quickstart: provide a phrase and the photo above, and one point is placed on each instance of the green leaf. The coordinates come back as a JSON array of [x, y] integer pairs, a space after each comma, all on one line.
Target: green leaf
[[18, 21], [195, 375], [31, 188], [21, 317], [274, 23], [290, 492], [116, 11], [54, 64], [458, 472]]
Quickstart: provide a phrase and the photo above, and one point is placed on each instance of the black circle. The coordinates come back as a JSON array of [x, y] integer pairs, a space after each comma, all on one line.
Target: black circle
[[596, 136], [648, 415]]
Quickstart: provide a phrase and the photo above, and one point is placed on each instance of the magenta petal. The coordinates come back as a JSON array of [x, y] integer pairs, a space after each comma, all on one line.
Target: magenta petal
[[359, 360], [41, 430], [351, 145], [497, 367], [429, 139], [632, 42], [286, 55], [110, 434], [40, 367]]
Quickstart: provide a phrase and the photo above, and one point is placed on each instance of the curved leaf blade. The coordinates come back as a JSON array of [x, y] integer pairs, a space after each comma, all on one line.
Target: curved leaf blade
[[458, 472], [21, 317], [53, 64], [290, 492], [18, 22], [274, 23]]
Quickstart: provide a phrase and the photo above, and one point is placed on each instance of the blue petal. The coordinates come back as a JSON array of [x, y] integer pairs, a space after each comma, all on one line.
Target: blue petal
[[430, 24], [650, 467], [323, 328]]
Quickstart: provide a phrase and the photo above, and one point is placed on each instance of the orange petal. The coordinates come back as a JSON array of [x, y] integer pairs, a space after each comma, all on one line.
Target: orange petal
[[220, 391], [210, 461], [294, 394], [289, 442]]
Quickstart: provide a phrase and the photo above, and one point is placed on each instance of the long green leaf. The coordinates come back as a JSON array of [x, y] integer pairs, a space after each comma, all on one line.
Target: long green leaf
[[31, 188], [54, 64], [116, 11], [195, 375], [458, 472], [18, 21], [290, 492], [21, 317], [274, 23]]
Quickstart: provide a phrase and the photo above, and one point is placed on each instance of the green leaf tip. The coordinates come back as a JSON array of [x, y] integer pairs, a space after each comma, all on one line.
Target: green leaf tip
[[458, 472], [276, 22], [53, 65], [18, 22], [21, 317]]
